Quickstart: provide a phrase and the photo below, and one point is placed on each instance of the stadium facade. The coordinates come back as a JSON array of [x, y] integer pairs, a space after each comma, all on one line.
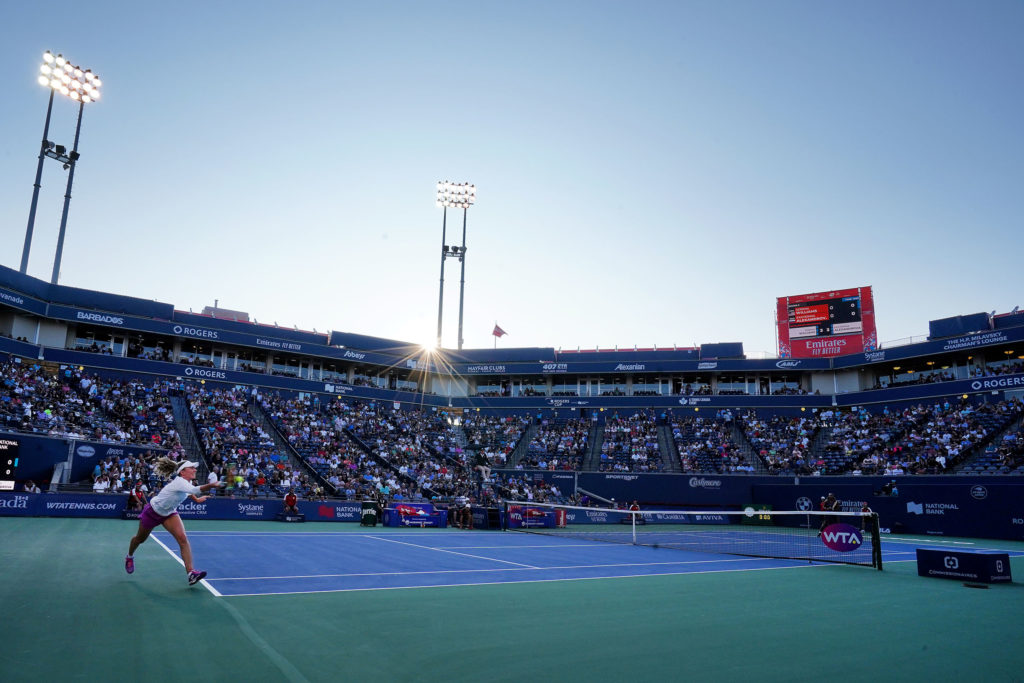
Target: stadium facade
[[125, 336]]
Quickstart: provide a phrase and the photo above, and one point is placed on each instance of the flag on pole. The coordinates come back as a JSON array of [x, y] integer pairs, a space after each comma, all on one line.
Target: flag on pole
[[498, 332]]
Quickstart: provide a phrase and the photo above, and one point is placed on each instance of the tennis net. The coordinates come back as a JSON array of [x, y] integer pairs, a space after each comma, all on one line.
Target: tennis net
[[841, 537]]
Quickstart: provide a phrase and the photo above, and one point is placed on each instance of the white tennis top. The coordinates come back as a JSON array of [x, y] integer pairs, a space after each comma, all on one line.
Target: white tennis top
[[172, 495]]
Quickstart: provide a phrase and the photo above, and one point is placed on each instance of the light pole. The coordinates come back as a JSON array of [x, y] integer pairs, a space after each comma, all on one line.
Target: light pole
[[456, 195], [82, 86]]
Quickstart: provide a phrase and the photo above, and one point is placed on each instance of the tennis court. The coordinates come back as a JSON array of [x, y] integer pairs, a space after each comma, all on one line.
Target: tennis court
[[321, 602], [250, 563]]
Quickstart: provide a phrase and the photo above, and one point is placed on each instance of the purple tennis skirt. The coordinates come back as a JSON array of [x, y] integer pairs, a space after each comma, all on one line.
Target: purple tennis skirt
[[150, 520]]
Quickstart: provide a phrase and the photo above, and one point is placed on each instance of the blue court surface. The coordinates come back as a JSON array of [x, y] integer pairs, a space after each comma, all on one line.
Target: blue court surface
[[244, 563]]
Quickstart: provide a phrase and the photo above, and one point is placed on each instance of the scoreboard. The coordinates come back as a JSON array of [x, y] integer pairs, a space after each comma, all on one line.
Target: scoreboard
[[826, 323], [8, 463], [825, 318]]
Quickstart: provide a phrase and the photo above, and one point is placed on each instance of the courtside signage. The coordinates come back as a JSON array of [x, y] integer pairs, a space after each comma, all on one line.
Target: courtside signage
[[842, 538]]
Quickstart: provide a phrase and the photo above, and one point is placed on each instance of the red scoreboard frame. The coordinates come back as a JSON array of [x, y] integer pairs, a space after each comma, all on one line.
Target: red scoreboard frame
[[826, 324]]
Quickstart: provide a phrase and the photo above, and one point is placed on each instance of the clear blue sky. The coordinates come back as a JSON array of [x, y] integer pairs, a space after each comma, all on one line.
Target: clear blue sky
[[648, 173]]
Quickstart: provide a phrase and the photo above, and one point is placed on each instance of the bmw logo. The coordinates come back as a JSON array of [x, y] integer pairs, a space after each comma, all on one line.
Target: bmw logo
[[804, 504]]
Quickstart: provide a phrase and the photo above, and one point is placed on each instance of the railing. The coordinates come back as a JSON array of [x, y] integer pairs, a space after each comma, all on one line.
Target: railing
[[257, 411], [902, 342], [184, 423]]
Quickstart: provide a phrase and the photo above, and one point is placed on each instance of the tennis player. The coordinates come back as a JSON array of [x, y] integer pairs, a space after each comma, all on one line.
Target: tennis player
[[163, 510]]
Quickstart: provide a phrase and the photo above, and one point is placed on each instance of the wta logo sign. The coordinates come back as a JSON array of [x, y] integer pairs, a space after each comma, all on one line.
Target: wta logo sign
[[842, 537]]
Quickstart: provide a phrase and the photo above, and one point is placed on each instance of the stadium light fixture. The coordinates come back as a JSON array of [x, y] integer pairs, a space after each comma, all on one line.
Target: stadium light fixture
[[457, 196], [79, 85]]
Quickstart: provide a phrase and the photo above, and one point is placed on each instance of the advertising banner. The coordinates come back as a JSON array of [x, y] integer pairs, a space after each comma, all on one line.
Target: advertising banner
[[826, 324], [113, 505]]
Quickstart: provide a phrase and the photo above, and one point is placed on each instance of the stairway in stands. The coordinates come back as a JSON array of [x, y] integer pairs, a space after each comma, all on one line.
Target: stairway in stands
[[667, 446], [285, 447], [386, 464], [595, 439], [190, 441], [984, 458], [739, 437], [816, 451], [523, 447]]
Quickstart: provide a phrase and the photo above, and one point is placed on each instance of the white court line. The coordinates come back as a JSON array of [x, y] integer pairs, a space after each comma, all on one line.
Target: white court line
[[182, 563], [495, 569], [939, 541], [452, 552], [503, 583], [353, 534], [542, 546], [230, 534], [589, 544], [925, 542]]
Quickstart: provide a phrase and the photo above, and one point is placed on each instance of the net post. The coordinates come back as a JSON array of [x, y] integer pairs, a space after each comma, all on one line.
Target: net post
[[809, 523], [876, 542]]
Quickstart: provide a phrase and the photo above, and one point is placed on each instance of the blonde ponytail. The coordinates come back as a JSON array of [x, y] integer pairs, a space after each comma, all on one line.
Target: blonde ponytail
[[165, 467]]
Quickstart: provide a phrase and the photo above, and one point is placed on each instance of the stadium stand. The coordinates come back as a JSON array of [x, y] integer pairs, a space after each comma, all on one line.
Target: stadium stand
[[558, 445], [239, 449], [708, 445], [630, 444], [358, 423]]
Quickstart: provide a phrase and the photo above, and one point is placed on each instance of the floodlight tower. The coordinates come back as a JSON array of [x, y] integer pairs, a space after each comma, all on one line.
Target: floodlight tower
[[82, 86], [456, 195]]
